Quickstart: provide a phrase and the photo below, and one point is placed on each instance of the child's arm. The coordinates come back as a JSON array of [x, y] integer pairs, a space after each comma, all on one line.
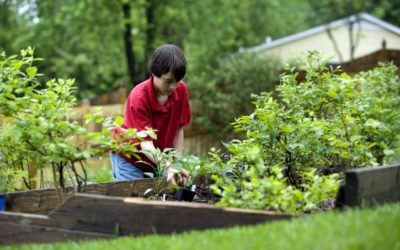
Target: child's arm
[[178, 142], [179, 146], [148, 146]]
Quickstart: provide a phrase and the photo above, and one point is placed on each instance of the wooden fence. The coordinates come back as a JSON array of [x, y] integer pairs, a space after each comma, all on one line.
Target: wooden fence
[[366, 62], [372, 60]]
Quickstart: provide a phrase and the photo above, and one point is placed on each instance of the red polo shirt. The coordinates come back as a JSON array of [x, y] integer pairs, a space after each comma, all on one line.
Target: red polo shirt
[[143, 111]]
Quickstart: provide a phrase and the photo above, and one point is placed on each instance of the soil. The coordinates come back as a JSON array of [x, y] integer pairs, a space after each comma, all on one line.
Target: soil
[[203, 195]]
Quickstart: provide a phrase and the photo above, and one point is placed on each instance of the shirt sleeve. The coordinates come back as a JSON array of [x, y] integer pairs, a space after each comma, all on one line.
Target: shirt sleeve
[[187, 111], [138, 116]]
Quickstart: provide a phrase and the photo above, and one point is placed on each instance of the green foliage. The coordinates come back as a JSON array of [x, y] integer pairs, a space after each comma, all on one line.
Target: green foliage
[[176, 162], [329, 122], [162, 160], [37, 129], [230, 88], [79, 39], [195, 166], [8, 178], [323, 11], [104, 174], [84, 39]]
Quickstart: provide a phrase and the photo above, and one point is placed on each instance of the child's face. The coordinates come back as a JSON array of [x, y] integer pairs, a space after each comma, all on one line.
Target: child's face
[[165, 84]]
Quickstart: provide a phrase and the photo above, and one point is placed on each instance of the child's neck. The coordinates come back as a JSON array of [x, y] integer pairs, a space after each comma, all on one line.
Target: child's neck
[[162, 99]]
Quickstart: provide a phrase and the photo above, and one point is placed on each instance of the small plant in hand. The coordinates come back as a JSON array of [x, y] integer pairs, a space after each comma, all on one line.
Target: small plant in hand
[[163, 159], [174, 165], [187, 190], [199, 170]]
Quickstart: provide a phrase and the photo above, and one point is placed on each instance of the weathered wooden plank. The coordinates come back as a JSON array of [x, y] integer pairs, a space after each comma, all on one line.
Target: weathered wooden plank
[[16, 228], [44, 200], [17, 233], [35, 201], [371, 186], [25, 219], [134, 216]]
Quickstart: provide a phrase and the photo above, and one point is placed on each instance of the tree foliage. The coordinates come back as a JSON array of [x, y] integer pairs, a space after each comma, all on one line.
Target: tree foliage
[[328, 10], [229, 90], [87, 39]]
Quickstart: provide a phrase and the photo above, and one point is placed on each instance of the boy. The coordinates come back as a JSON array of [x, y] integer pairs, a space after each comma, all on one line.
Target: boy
[[161, 103]]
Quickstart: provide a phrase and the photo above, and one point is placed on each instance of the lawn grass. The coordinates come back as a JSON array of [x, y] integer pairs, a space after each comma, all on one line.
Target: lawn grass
[[377, 228]]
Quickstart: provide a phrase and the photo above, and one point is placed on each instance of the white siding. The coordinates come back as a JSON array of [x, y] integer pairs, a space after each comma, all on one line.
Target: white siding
[[371, 37]]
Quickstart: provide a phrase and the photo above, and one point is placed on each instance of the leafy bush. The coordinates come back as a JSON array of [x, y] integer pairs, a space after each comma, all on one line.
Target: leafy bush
[[327, 123], [36, 128], [229, 89]]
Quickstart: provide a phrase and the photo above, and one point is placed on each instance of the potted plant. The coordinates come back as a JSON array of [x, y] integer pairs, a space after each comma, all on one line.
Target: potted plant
[[185, 194]]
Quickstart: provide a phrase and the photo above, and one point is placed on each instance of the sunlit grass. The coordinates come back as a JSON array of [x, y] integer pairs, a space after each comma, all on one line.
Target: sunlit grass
[[353, 229]]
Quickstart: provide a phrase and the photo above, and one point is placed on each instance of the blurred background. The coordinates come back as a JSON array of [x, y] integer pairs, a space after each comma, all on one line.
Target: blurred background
[[105, 46]]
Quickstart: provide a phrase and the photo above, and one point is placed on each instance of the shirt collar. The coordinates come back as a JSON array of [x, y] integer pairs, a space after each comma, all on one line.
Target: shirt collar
[[155, 105]]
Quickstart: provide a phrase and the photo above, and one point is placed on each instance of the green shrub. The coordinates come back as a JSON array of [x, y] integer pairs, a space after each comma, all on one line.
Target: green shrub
[[36, 128], [229, 89], [327, 123]]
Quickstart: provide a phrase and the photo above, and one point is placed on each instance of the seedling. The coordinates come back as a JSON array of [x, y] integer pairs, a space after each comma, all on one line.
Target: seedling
[[163, 161]]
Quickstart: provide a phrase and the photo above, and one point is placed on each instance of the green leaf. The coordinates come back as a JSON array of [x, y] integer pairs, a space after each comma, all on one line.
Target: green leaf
[[105, 131], [88, 116], [18, 64], [19, 90], [99, 119], [23, 52], [119, 120], [332, 94], [31, 71], [388, 152]]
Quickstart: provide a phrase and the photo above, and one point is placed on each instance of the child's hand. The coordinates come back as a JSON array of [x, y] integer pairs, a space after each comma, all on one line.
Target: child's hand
[[175, 177]]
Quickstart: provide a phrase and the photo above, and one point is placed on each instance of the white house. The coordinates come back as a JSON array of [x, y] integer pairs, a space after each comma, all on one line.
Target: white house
[[359, 35]]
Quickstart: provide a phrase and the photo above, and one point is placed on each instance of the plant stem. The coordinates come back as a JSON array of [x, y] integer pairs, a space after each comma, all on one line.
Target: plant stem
[[55, 182]]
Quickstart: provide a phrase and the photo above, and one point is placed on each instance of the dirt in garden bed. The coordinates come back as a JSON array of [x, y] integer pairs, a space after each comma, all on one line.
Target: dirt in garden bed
[[203, 195]]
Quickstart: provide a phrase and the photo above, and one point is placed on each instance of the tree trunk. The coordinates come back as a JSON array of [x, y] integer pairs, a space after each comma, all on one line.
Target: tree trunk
[[150, 8], [130, 56]]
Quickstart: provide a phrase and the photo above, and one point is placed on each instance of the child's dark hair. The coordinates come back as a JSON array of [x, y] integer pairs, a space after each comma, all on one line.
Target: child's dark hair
[[168, 58]]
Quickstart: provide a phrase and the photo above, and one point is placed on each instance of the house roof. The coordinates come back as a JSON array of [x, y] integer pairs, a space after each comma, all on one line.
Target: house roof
[[322, 28]]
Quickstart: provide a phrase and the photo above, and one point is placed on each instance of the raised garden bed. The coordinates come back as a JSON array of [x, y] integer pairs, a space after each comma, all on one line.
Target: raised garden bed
[[95, 215], [86, 216], [43, 201], [371, 186]]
